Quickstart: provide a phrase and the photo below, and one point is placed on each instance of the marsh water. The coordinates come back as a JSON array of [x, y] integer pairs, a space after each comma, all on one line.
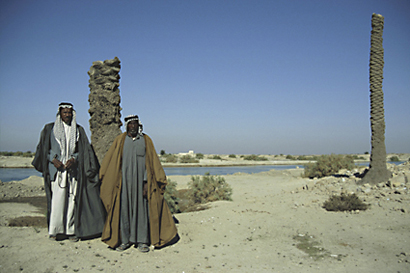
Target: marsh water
[[12, 174]]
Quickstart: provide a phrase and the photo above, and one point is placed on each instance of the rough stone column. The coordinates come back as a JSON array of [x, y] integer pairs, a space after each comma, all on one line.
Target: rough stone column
[[104, 98], [378, 171]]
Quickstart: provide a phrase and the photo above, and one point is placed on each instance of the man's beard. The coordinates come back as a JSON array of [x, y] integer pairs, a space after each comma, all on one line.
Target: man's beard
[[133, 132]]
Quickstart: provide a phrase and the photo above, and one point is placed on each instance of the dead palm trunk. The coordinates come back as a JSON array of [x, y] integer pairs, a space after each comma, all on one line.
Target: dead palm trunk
[[377, 170], [105, 110]]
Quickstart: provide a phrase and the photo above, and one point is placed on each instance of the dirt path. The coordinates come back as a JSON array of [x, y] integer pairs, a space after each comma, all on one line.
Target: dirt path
[[275, 223]]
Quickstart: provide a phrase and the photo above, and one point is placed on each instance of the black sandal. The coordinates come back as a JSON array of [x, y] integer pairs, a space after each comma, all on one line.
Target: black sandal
[[73, 238]]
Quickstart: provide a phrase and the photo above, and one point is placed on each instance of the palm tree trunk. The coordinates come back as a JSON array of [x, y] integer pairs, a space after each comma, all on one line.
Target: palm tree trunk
[[105, 110], [377, 171]]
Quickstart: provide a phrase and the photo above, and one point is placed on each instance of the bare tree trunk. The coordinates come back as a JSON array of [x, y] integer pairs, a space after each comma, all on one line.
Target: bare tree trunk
[[104, 98], [378, 171]]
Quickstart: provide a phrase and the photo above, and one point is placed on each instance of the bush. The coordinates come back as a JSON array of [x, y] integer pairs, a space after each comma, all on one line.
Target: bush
[[18, 153], [394, 158], [169, 158], [28, 154], [208, 188], [303, 157], [355, 157], [232, 156], [291, 157], [162, 152], [188, 159], [171, 196], [344, 202], [255, 158], [216, 157], [199, 156], [327, 165]]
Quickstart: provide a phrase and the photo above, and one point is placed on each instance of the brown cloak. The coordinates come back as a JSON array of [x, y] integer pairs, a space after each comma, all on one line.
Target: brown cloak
[[161, 223]]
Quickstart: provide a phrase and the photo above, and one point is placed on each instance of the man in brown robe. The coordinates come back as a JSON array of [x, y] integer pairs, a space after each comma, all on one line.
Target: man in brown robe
[[128, 188]]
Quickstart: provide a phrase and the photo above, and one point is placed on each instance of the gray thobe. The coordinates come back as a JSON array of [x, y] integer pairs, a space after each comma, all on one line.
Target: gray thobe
[[134, 207]]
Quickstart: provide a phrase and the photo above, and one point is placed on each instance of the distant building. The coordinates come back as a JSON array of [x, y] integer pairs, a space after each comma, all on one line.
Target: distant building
[[190, 152]]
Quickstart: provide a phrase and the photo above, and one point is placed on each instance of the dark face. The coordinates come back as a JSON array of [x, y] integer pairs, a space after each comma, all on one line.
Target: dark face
[[66, 115], [132, 128]]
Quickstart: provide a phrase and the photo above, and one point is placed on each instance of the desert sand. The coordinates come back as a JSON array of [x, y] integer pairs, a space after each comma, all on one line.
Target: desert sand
[[275, 223]]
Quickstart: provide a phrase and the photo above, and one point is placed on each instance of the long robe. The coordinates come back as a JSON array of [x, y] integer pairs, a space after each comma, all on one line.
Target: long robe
[[63, 187], [89, 213], [161, 223], [134, 207]]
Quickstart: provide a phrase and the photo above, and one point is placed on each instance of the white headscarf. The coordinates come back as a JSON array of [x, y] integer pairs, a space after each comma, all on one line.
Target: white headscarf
[[60, 133]]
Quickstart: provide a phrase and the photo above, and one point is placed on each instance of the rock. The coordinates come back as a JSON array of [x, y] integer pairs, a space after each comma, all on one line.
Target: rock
[[398, 180]]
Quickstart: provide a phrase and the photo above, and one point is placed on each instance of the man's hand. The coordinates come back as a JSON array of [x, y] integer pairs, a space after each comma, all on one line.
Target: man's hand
[[70, 163], [57, 163], [145, 190]]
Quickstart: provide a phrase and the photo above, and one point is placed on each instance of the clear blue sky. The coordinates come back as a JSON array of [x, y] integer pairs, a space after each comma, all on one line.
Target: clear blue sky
[[242, 77]]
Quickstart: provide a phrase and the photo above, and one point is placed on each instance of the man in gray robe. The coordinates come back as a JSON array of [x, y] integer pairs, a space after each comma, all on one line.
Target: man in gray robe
[[134, 204], [133, 184]]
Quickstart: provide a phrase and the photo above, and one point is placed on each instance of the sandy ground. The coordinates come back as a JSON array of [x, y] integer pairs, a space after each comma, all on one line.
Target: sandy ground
[[275, 223]]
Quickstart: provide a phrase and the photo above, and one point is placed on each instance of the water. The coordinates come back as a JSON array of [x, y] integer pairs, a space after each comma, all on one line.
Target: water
[[12, 174], [226, 170]]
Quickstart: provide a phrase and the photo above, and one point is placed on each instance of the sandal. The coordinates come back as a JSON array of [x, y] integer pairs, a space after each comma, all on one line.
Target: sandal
[[73, 238], [52, 237], [143, 248], [123, 247]]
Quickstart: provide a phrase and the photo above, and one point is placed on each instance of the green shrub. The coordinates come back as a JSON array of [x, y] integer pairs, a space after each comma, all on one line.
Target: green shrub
[[188, 159], [169, 158], [291, 157], [255, 158], [216, 157], [171, 196], [162, 152], [394, 158], [327, 165], [355, 157], [232, 156], [18, 153], [344, 202], [208, 188], [303, 157], [199, 156], [28, 154]]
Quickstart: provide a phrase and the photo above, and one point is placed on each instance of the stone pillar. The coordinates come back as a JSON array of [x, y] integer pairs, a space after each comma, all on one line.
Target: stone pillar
[[104, 99]]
